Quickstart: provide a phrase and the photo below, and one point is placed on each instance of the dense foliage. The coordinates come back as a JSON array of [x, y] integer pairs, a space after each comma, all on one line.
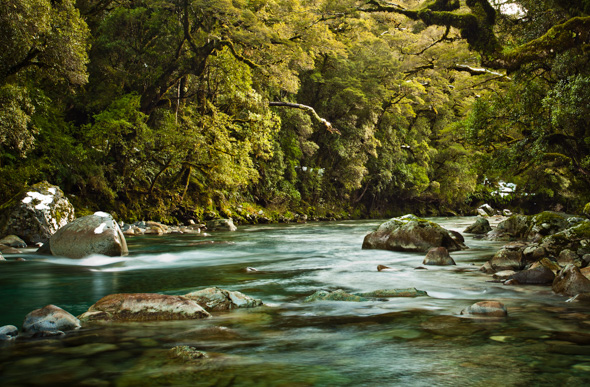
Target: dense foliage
[[164, 109]]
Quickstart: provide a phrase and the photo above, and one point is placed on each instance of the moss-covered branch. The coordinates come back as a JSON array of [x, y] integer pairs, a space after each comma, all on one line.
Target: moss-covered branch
[[477, 28]]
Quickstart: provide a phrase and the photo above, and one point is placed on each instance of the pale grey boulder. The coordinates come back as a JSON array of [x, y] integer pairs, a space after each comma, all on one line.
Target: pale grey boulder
[[221, 225], [36, 213], [92, 234], [50, 318]]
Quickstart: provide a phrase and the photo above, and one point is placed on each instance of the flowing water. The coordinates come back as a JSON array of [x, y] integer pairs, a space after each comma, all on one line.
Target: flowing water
[[388, 342]]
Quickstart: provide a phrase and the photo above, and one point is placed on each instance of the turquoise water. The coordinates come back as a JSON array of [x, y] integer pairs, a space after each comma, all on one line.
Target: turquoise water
[[411, 341]]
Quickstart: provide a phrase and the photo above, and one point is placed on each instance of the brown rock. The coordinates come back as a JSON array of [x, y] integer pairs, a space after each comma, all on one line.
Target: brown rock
[[507, 259], [570, 281], [438, 256], [538, 275], [143, 307]]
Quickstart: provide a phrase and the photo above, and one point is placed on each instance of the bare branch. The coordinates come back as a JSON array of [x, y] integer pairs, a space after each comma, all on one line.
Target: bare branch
[[311, 111]]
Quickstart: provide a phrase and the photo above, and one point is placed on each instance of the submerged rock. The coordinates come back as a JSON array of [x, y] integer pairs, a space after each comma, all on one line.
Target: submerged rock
[[216, 299], [341, 295], [481, 226], [37, 213], [438, 256], [386, 293], [336, 295], [410, 233], [186, 353], [570, 282], [50, 318], [143, 307], [92, 234], [8, 332], [486, 309]]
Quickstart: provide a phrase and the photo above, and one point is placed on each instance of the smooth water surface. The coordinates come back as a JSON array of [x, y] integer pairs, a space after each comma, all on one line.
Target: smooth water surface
[[398, 341]]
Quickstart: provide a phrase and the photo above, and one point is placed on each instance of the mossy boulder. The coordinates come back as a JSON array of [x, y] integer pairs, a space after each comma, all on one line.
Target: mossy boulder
[[410, 233], [36, 213], [534, 227], [576, 239]]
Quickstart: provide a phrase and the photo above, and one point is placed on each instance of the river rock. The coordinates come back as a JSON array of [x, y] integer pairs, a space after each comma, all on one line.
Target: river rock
[[575, 238], [2, 258], [486, 309], [37, 213], [92, 234], [410, 233], [221, 225], [8, 332], [515, 227], [536, 275], [481, 226], [50, 318], [336, 295], [485, 210], [507, 259], [570, 282], [143, 307], [568, 256], [9, 250], [13, 241], [438, 256], [389, 293], [216, 299]]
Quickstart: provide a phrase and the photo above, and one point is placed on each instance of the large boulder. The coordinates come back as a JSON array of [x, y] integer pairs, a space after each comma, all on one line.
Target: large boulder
[[410, 233], [216, 299], [575, 238], [143, 307], [485, 210], [36, 214], [515, 227], [481, 226], [50, 318], [92, 234], [438, 256], [570, 282], [533, 228]]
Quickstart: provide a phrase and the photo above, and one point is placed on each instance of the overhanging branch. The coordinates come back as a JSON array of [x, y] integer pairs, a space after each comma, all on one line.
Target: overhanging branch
[[311, 111]]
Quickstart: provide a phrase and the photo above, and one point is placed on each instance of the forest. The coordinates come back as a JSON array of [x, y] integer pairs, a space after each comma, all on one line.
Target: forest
[[194, 109]]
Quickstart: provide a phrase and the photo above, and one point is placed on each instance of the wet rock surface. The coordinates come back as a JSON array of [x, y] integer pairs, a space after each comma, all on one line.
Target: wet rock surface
[[143, 307], [486, 309], [216, 299], [438, 256], [92, 234], [570, 281], [481, 226], [50, 318], [410, 233]]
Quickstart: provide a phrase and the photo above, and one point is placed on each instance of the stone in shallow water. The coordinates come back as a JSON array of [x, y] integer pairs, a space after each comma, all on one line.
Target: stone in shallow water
[[336, 295], [8, 332], [570, 281], [409, 292], [50, 318], [438, 256], [486, 309], [216, 299]]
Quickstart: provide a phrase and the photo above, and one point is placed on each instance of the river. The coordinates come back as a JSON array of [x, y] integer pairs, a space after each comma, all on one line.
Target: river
[[420, 341]]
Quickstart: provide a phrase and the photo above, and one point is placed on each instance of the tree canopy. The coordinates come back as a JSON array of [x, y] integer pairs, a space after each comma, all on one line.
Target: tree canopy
[[178, 109]]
